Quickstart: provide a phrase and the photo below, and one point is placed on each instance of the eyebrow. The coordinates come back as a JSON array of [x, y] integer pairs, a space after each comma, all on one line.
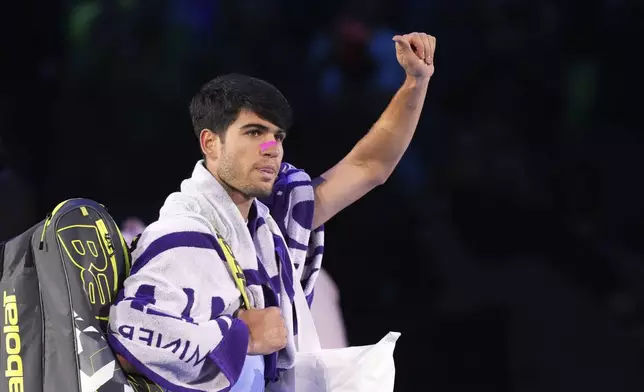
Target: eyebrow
[[262, 127]]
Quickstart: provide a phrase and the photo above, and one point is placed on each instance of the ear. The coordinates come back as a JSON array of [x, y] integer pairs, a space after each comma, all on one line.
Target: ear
[[210, 143]]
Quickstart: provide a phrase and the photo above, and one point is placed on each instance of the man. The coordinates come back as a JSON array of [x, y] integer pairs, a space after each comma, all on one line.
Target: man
[[185, 318], [326, 310]]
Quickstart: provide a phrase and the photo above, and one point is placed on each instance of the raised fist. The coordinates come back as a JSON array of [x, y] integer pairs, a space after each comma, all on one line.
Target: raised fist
[[415, 53]]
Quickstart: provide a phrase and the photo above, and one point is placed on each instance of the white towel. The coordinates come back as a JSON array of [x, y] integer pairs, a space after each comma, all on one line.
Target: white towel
[[173, 319]]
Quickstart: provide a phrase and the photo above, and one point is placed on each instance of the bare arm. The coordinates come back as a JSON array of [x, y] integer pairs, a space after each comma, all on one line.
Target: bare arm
[[375, 156]]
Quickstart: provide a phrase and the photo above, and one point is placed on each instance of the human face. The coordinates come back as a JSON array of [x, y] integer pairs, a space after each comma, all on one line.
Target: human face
[[250, 155]]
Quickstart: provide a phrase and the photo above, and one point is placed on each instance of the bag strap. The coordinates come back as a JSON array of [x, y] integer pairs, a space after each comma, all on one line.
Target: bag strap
[[307, 337], [236, 271]]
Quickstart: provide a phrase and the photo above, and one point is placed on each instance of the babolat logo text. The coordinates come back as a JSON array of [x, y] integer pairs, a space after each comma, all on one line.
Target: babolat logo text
[[11, 331]]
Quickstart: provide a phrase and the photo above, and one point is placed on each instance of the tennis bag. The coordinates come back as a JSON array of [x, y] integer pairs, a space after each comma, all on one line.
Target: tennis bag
[[57, 282]]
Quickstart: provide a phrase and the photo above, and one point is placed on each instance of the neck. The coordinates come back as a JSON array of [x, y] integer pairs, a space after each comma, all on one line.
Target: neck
[[242, 201]]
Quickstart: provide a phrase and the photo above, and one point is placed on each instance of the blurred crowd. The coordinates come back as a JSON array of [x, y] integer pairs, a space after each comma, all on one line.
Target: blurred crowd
[[513, 224]]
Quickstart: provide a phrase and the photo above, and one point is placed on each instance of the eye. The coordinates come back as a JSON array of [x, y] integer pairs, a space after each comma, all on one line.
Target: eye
[[254, 132], [280, 137]]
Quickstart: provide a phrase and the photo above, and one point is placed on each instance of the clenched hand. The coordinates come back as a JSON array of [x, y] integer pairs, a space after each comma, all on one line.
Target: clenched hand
[[267, 330], [415, 53]]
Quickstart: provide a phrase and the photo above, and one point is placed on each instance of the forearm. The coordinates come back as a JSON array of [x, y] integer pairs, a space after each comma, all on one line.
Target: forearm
[[162, 347], [382, 147]]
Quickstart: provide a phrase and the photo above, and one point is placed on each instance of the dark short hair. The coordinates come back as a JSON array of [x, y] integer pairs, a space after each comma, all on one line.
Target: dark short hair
[[218, 103]]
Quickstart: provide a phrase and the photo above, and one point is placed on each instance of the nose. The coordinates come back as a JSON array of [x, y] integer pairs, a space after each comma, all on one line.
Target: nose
[[270, 148]]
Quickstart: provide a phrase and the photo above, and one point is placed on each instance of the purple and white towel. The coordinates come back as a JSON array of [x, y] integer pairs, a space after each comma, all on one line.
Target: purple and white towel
[[173, 319]]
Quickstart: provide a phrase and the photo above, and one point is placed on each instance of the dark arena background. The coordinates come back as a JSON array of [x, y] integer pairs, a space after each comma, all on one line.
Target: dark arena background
[[508, 245]]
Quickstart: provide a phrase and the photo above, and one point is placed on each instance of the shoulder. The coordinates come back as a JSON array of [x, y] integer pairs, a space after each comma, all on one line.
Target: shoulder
[[174, 226], [289, 174], [171, 232], [293, 192], [289, 180], [172, 239]]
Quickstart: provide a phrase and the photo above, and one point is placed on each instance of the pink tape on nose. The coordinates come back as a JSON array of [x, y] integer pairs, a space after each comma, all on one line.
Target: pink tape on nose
[[266, 145]]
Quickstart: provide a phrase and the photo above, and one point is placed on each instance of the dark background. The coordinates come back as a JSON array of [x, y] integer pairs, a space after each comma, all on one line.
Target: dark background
[[507, 246]]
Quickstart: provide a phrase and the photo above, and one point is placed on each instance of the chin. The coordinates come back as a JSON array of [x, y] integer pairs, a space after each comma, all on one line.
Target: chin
[[260, 192]]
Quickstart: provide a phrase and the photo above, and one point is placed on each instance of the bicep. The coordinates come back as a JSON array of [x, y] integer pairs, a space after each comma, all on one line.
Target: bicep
[[341, 186]]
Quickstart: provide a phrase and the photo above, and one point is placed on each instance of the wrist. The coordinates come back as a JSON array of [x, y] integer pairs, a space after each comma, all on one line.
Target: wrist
[[250, 346], [416, 81]]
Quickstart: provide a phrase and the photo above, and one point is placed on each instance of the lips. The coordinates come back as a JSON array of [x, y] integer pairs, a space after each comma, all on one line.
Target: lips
[[267, 169]]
